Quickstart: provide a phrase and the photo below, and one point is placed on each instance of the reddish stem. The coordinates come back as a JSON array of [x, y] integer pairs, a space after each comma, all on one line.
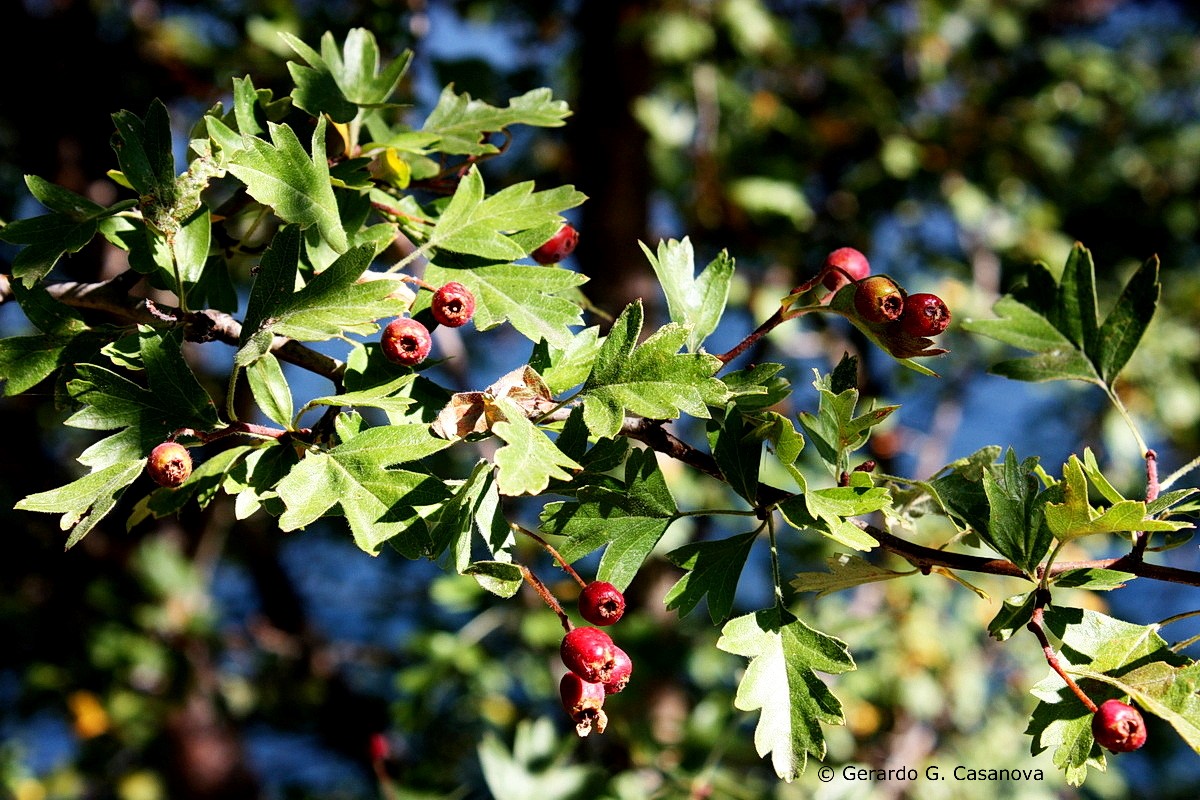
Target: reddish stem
[[1143, 537], [1035, 625], [546, 596], [233, 428], [562, 562], [392, 211], [762, 330]]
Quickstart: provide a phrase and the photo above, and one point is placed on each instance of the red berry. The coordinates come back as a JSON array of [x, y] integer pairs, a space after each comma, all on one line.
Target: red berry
[[584, 703], [379, 747], [601, 603], [405, 341], [618, 679], [844, 265], [558, 246], [453, 305], [589, 653], [924, 315], [878, 299], [1118, 727], [169, 464]]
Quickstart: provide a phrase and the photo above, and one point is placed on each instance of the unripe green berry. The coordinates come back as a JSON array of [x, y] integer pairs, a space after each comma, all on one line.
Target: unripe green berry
[[170, 464], [878, 299]]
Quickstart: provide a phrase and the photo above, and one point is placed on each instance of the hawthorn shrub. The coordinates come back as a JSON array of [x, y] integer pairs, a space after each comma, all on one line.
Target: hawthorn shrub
[[354, 228]]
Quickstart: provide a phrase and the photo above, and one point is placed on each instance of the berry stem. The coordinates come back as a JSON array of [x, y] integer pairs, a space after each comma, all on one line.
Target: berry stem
[[1152, 489], [562, 562], [762, 330], [546, 596], [1036, 625], [234, 428]]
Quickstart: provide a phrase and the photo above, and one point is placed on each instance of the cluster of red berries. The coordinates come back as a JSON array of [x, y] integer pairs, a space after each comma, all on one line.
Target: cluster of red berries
[[596, 667], [880, 300], [406, 341]]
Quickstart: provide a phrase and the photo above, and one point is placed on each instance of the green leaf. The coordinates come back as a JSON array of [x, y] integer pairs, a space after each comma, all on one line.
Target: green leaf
[[695, 301], [62, 200], [332, 304], [828, 510], [84, 502], [844, 572], [281, 174], [385, 396], [835, 430], [501, 578], [461, 124], [379, 502], [475, 509], [1059, 324], [25, 361], [477, 224], [567, 366], [336, 83], [1056, 357], [1016, 527], [173, 399], [144, 151], [1075, 516], [270, 388], [626, 520], [652, 380], [47, 239], [537, 301], [713, 569], [190, 246], [1096, 580], [781, 682], [1128, 320], [737, 450], [1014, 614], [529, 460]]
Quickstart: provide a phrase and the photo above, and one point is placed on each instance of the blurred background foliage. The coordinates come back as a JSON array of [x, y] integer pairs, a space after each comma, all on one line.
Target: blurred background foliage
[[953, 142]]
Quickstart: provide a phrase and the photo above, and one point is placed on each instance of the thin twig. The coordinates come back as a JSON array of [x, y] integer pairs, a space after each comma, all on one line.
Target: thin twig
[[1036, 625]]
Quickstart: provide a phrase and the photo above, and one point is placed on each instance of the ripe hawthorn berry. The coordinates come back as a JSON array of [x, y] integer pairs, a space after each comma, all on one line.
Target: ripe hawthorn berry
[[1118, 726], [589, 653], [453, 305], [844, 265], [878, 299], [405, 341], [601, 603], [924, 315], [584, 703], [169, 464], [622, 669], [558, 246]]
